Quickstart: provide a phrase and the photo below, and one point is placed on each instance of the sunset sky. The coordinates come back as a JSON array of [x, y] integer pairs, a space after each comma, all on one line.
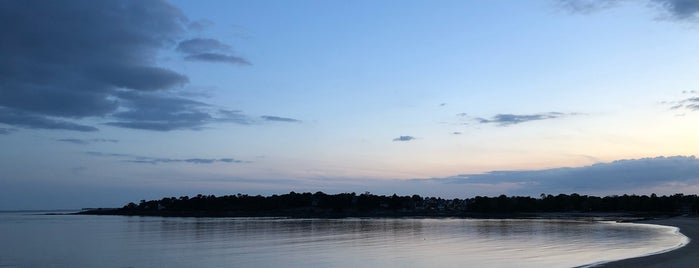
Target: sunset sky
[[108, 102]]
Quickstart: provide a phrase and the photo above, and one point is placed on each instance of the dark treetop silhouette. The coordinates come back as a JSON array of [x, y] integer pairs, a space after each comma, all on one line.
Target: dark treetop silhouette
[[320, 204]]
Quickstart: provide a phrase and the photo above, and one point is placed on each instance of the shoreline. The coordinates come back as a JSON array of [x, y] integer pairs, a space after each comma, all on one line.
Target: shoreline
[[625, 216], [684, 256]]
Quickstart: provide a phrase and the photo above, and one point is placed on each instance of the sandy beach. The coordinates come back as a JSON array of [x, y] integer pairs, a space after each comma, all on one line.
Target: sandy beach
[[683, 257]]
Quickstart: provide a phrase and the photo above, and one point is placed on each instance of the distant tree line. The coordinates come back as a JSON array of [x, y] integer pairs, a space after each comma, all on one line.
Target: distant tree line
[[585, 203], [367, 204]]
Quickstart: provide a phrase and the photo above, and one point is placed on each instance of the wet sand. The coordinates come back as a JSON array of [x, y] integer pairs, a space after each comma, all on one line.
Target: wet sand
[[687, 256]]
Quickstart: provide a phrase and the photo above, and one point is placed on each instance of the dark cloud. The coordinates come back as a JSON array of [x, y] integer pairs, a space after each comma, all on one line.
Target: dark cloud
[[404, 138], [279, 119], [86, 141], [680, 9], [156, 160], [676, 9], [68, 60], [511, 119], [65, 58], [144, 78], [621, 175]]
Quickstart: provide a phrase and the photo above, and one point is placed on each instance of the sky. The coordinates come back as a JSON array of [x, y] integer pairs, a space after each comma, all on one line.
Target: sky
[[108, 102]]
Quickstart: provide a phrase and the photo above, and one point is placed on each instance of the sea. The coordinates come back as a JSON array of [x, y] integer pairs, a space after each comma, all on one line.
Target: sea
[[34, 239]]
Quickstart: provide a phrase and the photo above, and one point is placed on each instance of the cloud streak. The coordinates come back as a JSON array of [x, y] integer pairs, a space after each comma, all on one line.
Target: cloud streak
[[513, 119], [201, 45], [87, 141], [157, 160], [216, 57], [189, 160], [279, 119], [404, 138]]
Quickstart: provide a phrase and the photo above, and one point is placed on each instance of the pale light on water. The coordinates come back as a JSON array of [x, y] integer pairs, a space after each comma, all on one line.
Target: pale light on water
[[115, 241]]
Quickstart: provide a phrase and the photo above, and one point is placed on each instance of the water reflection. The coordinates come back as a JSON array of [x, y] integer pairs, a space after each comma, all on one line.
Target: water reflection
[[91, 241]]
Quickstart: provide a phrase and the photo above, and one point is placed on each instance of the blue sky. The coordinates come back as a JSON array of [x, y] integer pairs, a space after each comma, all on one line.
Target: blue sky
[[103, 103]]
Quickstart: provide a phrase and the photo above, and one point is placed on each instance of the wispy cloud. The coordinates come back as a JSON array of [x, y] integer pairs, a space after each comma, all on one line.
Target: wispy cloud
[[87, 141], [199, 25], [189, 160], [101, 154], [404, 138], [512, 119], [37, 121], [167, 112], [690, 104], [74, 141], [233, 116], [5, 131], [209, 49], [161, 112], [587, 6], [156, 160], [279, 119]]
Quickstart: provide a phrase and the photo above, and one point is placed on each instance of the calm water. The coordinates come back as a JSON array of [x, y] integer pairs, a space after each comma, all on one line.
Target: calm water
[[112, 241]]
